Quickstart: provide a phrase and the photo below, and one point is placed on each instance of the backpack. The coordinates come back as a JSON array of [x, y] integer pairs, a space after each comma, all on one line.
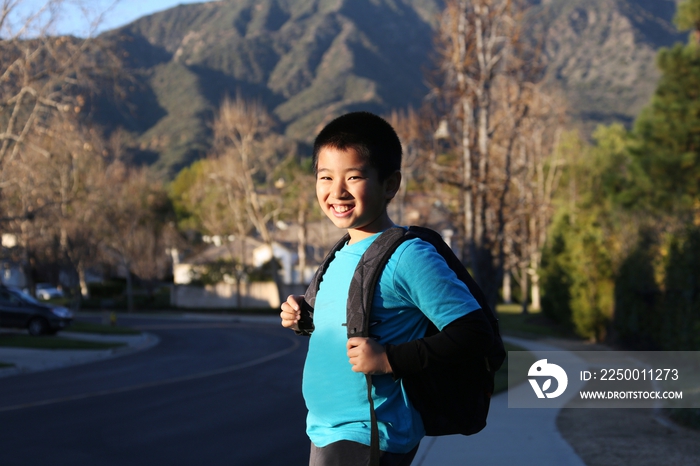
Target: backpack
[[450, 400]]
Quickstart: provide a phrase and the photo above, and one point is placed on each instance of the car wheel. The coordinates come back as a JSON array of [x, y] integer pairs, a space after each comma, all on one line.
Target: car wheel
[[37, 326]]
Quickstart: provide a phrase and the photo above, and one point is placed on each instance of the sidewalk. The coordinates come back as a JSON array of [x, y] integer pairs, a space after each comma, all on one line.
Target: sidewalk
[[518, 437], [33, 360]]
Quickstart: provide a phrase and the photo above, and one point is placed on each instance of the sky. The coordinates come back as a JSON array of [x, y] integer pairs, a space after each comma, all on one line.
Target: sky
[[76, 16]]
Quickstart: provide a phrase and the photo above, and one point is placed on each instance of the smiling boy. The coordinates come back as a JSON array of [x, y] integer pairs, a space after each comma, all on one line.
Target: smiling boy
[[357, 159], [351, 192]]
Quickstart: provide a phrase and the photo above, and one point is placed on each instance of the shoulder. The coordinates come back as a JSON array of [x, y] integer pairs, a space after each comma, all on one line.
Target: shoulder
[[417, 250], [416, 260]]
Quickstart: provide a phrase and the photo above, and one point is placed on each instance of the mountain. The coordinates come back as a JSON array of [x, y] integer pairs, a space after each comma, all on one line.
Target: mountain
[[311, 60], [602, 54]]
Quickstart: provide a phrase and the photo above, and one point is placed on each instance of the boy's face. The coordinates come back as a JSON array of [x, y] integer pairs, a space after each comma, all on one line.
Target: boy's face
[[350, 193]]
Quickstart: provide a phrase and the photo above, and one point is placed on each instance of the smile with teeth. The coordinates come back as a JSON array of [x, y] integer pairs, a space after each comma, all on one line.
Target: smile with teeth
[[341, 209]]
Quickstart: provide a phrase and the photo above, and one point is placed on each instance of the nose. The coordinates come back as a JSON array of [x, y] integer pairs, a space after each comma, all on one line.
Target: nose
[[339, 190]]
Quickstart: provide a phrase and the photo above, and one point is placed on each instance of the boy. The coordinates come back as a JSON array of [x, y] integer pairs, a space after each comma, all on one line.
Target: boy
[[357, 160]]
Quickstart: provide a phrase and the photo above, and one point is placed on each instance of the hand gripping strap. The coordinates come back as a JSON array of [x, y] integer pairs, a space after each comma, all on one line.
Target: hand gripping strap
[[366, 277]]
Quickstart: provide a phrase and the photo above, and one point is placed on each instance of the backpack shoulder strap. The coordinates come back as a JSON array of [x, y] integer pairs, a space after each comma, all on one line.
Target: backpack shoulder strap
[[312, 289], [306, 326], [366, 277], [359, 306]]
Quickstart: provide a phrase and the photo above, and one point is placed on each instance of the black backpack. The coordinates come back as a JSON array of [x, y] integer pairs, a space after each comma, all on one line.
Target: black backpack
[[453, 400]]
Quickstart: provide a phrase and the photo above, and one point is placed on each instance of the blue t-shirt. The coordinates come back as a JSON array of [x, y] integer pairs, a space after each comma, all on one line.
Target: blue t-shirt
[[416, 285]]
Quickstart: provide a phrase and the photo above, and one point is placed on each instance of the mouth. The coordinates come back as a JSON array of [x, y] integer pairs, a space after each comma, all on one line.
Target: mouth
[[341, 209]]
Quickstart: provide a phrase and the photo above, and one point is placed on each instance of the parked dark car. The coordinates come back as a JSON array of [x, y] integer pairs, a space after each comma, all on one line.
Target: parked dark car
[[20, 310]]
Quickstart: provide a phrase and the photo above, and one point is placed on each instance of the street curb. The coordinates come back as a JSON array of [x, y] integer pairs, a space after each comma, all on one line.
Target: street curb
[[36, 360], [242, 318]]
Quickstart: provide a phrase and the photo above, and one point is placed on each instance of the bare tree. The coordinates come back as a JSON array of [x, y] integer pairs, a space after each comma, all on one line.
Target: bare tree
[[47, 193], [72, 176], [538, 170], [243, 159], [136, 223], [41, 75], [245, 149], [295, 181], [221, 211], [416, 137], [487, 71], [44, 76], [475, 36]]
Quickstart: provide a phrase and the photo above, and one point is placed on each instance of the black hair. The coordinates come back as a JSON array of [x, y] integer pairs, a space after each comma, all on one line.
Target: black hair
[[374, 140]]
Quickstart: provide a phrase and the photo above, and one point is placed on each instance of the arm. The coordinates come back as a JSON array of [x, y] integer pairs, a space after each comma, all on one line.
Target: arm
[[471, 333]]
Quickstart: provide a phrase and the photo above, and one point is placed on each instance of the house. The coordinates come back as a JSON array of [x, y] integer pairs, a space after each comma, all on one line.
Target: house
[[254, 253], [11, 273]]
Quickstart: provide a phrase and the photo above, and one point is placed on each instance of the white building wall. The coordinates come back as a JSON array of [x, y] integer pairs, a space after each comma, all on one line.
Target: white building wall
[[11, 275], [223, 296]]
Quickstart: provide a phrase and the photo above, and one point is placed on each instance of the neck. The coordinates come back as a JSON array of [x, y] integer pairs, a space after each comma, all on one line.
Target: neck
[[380, 224]]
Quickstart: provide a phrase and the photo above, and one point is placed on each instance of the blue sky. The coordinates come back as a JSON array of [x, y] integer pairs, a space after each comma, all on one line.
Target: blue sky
[[76, 16]]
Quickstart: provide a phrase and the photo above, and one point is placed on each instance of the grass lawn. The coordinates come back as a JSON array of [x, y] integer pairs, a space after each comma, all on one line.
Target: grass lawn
[[501, 379], [89, 327], [534, 324], [18, 340], [22, 340]]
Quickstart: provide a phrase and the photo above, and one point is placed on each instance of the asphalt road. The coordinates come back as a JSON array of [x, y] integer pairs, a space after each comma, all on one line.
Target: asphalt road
[[214, 393]]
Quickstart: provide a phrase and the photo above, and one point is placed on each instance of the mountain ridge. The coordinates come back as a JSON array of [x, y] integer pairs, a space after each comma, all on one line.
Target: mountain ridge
[[310, 60]]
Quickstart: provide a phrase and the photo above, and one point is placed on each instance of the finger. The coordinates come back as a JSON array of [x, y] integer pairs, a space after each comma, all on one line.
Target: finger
[[289, 317], [355, 341], [293, 302], [358, 365], [289, 305], [290, 324], [289, 314]]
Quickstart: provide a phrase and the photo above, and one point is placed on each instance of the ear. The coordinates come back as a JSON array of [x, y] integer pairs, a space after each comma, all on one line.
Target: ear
[[392, 185]]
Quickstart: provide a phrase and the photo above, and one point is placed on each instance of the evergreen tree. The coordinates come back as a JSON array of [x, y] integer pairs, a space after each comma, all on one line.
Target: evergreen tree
[[688, 19], [626, 250], [668, 129], [581, 259]]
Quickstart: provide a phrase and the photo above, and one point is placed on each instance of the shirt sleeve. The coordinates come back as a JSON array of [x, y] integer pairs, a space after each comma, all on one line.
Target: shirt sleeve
[[423, 278], [471, 334]]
